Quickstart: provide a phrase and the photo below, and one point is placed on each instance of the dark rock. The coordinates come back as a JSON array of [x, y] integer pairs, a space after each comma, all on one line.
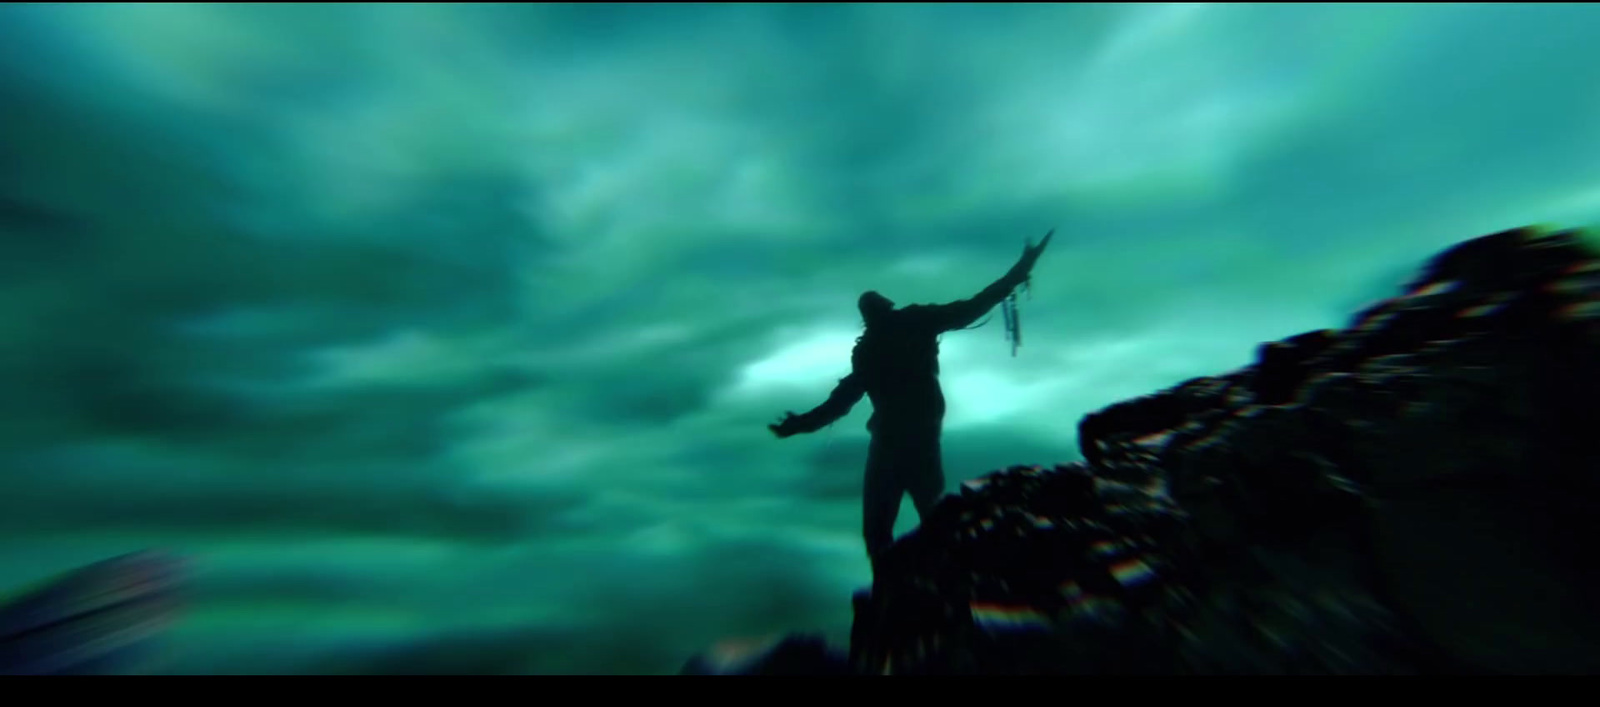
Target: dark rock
[[1410, 494], [99, 619], [790, 655], [1281, 367], [1030, 570]]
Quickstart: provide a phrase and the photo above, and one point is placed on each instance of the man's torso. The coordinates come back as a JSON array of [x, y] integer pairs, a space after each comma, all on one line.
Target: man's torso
[[898, 366]]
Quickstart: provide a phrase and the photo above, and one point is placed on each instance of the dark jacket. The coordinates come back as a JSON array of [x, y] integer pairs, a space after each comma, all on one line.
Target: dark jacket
[[895, 363]]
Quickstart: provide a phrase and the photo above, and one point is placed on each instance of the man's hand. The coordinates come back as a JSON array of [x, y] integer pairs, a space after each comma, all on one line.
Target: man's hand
[[784, 427], [1030, 255], [1031, 252]]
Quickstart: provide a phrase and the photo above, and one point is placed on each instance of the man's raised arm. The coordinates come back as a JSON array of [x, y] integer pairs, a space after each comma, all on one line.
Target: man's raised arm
[[844, 396], [962, 313]]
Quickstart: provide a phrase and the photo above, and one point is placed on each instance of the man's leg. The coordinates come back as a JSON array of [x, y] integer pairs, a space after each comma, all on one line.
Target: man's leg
[[924, 475], [880, 498]]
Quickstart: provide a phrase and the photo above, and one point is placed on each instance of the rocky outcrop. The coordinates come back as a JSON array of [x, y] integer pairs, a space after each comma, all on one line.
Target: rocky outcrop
[[787, 655], [98, 619], [1411, 494]]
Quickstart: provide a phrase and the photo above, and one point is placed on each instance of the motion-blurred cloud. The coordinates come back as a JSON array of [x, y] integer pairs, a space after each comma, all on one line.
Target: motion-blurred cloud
[[442, 338]]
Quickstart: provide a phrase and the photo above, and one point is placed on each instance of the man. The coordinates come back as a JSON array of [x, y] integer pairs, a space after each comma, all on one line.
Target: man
[[896, 364]]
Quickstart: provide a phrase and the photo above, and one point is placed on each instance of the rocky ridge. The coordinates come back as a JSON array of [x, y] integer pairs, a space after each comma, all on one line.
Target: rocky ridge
[[1409, 494]]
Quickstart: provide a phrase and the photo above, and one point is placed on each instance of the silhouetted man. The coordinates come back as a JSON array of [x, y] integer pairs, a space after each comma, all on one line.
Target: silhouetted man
[[896, 364]]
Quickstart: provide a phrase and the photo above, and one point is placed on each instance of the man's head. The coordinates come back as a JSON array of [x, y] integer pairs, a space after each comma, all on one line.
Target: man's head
[[874, 307]]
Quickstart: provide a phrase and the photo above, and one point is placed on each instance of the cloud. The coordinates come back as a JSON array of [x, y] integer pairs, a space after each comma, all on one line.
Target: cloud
[[444, 337]]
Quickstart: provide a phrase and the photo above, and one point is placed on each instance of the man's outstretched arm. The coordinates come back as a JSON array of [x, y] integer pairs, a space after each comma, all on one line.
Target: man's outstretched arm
[[962, 313], [844, 397]]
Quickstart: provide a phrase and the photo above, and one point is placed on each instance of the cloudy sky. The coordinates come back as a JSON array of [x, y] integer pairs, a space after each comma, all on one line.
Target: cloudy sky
[[443, 338]]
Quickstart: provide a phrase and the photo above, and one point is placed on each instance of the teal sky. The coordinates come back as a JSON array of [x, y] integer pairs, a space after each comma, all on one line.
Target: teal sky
[[445, 337]]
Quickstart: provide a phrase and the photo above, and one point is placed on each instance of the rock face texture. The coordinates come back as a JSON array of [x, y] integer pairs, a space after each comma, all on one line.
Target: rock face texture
[[1411, 494], [99, 619], [789, 655]]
